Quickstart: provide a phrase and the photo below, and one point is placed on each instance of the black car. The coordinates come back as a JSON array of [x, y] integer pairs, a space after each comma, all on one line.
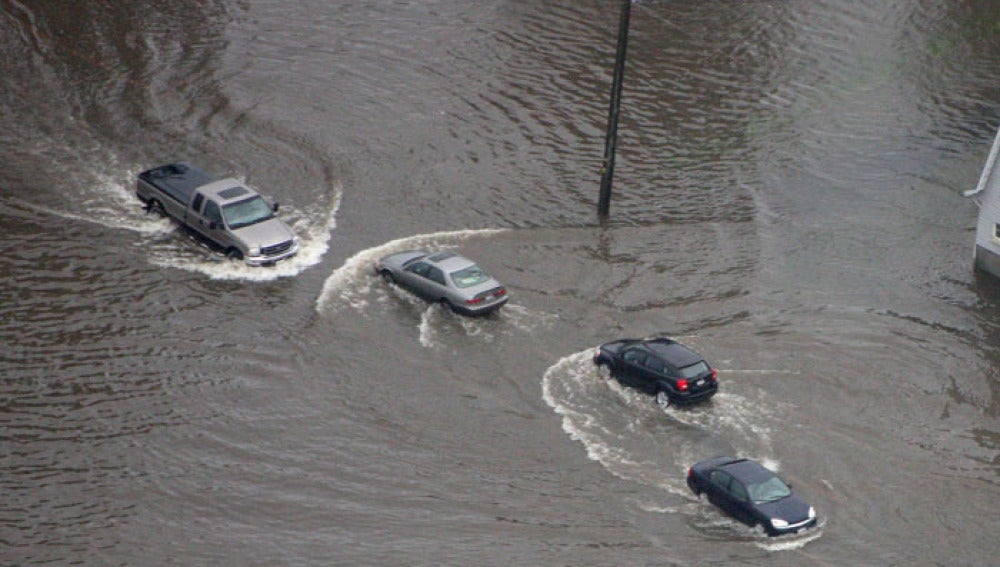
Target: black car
[[661, 367], [752, 494]]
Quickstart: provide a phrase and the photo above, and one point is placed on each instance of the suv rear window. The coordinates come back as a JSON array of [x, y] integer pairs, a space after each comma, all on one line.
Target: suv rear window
[[694, 370]]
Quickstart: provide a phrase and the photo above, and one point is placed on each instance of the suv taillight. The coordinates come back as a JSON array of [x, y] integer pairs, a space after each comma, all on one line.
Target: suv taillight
[[682, 385], [715, 375]]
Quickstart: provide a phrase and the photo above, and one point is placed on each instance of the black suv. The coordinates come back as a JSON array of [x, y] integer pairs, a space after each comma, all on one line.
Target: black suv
[[661, 367]]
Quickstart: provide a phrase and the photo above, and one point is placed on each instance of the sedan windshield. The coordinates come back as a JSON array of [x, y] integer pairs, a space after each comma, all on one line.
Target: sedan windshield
[[246, 212], [768, 491], [468, 277], [694, 370]]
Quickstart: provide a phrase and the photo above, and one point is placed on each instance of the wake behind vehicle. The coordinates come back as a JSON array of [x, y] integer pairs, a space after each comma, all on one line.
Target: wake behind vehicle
[[660, 367], [751, 494], [445, 278], [222, 211]]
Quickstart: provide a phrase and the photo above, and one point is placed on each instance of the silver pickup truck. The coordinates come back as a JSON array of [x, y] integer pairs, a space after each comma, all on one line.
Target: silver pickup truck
[[223, 211]]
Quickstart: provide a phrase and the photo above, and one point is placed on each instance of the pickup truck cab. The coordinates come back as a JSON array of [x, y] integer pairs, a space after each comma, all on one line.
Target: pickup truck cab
[[228, 214]]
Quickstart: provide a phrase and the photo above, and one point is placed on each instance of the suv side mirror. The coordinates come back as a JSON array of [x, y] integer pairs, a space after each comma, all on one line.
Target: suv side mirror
[[274, 207]]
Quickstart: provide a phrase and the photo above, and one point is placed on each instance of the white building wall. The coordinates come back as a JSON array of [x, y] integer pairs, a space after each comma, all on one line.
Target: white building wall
[[987, 256]]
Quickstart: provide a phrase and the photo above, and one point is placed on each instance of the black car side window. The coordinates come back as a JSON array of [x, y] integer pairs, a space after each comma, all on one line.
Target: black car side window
[[634, 357], [738, 491], [720, 479], [654, 364]]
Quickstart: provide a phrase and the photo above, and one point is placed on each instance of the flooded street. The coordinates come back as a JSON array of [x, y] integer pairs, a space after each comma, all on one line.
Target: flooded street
[[787, 201]]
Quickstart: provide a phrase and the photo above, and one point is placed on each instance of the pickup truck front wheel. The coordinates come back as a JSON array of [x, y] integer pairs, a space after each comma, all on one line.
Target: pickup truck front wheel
[[234, 254]]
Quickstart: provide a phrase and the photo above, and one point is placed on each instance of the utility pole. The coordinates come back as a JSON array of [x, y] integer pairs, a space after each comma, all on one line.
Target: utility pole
[[608, 168]]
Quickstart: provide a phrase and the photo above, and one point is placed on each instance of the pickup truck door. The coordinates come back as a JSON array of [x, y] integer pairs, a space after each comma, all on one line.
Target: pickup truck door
[[208, 220]]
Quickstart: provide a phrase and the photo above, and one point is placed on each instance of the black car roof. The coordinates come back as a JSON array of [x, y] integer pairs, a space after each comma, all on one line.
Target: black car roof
[[747, 471], [673, 352]]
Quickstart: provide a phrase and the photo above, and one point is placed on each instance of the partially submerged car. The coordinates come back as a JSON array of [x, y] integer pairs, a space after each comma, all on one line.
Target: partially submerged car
[[446, 278], [223, 212], [660, 367], [751, 494]]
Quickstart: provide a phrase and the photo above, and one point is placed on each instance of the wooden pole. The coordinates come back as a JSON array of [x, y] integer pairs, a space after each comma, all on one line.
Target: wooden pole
[[608, 167]]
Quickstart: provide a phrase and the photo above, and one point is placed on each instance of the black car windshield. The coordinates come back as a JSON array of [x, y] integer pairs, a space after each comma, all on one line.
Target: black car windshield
[[247, 212], [694, 370], [768, 491], [468, 277]]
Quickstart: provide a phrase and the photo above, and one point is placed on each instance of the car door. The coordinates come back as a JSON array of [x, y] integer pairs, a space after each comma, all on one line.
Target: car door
[[632, 361], [720, 494], [649, 374], [414, 278], [740, 506], [208, 220]]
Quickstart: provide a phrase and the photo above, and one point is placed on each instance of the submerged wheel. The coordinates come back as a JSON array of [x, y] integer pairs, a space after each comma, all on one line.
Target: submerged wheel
[[234, 254], [155, 206], [387, 276], [444, 303], [662, 399]]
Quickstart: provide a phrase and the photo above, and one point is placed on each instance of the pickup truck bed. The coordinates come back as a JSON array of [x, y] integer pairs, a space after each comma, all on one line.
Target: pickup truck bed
[[177, 180]]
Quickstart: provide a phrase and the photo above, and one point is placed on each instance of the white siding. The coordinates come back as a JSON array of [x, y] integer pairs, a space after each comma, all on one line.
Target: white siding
[[987, 244]]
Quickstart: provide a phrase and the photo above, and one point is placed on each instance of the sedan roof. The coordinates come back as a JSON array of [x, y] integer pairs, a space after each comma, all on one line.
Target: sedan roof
[[747, 471]]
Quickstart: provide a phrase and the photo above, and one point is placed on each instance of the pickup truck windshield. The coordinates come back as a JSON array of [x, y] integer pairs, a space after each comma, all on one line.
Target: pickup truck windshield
[[246, 212]]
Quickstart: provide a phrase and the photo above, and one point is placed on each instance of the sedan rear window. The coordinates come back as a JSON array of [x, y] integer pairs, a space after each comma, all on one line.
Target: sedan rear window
[[694, 370], [468, 277]]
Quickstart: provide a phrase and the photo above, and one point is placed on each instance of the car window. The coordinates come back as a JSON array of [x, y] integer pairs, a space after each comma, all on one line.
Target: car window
[[694, 370], [720, 479], [212, 212], [634, 356], [738, 491], [247, 212], [655, 364], [196, 204], [436, 275], [468, 277], [419, 268], [768, 491]]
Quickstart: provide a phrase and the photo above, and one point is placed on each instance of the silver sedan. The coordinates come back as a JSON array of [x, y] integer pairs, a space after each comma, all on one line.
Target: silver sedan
[[446, 278]]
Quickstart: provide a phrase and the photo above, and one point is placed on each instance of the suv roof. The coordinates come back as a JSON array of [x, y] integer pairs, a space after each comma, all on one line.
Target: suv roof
[[672, 351]]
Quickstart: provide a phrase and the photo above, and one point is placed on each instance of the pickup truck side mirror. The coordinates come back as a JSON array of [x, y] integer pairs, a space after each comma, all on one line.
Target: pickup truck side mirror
[[274, 207], [213, 225]]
